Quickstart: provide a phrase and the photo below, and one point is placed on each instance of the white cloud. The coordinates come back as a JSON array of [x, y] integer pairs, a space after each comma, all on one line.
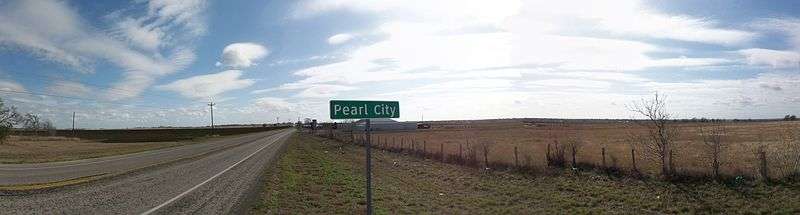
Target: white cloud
[[11, 86], [688, 62], [208, 86], [145, 37], [483, 55], [323, 91], [615, 17], [535, 54], [774, 58], [273, 103], [627, 19], [508, 51], [786, 26], [340, 38], [459, 86], [23, 24], [242, 55], [771, 86], [779, 59], [771, 92], [69, 88], [594, 75], [675, 27], [187, 14], [524, 34], [568, 84], [454, 11], [183, 19], [55, 32]]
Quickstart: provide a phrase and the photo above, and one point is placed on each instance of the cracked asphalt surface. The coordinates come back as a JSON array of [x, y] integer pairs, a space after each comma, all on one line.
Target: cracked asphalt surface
[[218, 182]]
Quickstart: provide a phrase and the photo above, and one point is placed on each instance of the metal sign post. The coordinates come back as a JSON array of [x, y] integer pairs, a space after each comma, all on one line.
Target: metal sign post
[[368, 145], [366, 110]]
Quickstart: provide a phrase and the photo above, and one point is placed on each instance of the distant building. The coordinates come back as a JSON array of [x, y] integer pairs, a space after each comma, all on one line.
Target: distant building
[[386, 125]]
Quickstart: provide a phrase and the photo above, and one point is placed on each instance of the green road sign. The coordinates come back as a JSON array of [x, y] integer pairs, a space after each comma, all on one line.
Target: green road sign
[[347, 109]]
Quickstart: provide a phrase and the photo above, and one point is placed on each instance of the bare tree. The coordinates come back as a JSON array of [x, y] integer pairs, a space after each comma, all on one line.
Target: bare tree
[[31, 122], [8, 117], [574, 143], [659, 140], [713, 140]]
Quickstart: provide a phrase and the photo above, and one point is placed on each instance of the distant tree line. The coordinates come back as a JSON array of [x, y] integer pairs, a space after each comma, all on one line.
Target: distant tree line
[[10, 118], [703, 119]]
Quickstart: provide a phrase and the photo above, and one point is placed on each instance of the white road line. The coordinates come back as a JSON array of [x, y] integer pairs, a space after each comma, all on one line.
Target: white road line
[[173, 199]]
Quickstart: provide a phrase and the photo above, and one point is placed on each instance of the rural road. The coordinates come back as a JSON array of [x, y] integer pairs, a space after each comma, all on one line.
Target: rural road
[[58, 171], [216, 182]]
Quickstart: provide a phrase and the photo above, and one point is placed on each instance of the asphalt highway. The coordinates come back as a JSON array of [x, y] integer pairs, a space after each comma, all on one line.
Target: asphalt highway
[[58, 171], [217, 178]]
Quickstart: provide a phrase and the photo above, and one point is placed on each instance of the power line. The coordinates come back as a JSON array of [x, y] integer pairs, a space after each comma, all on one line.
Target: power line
[[128, 107]]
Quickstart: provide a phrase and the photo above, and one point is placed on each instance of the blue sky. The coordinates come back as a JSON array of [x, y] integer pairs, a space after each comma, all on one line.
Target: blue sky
[[152, 63]]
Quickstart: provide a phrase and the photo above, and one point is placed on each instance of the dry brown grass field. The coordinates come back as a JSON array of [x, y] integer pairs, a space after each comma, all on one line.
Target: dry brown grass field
[[322, 176], [32, 149], [780, 139]]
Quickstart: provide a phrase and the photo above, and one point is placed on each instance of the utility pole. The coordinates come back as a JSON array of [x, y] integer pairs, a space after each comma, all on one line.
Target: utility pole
[[211, 104], [73, 124]]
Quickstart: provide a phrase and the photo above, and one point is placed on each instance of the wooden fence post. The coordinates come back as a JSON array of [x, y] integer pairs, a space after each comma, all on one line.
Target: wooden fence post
[[421, 149], [574, 161], [425, 149], [633, 160], [603, 152], [516, 158], [441, 151], [460, 154], [417, 148], [486, 156], [549, 159], [402, 142], [411, 146], [762, 157], [671, 164]]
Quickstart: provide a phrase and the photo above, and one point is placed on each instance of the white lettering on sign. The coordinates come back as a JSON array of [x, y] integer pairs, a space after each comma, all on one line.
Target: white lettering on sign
[[363, 110], [381, 110], [336, 109]]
